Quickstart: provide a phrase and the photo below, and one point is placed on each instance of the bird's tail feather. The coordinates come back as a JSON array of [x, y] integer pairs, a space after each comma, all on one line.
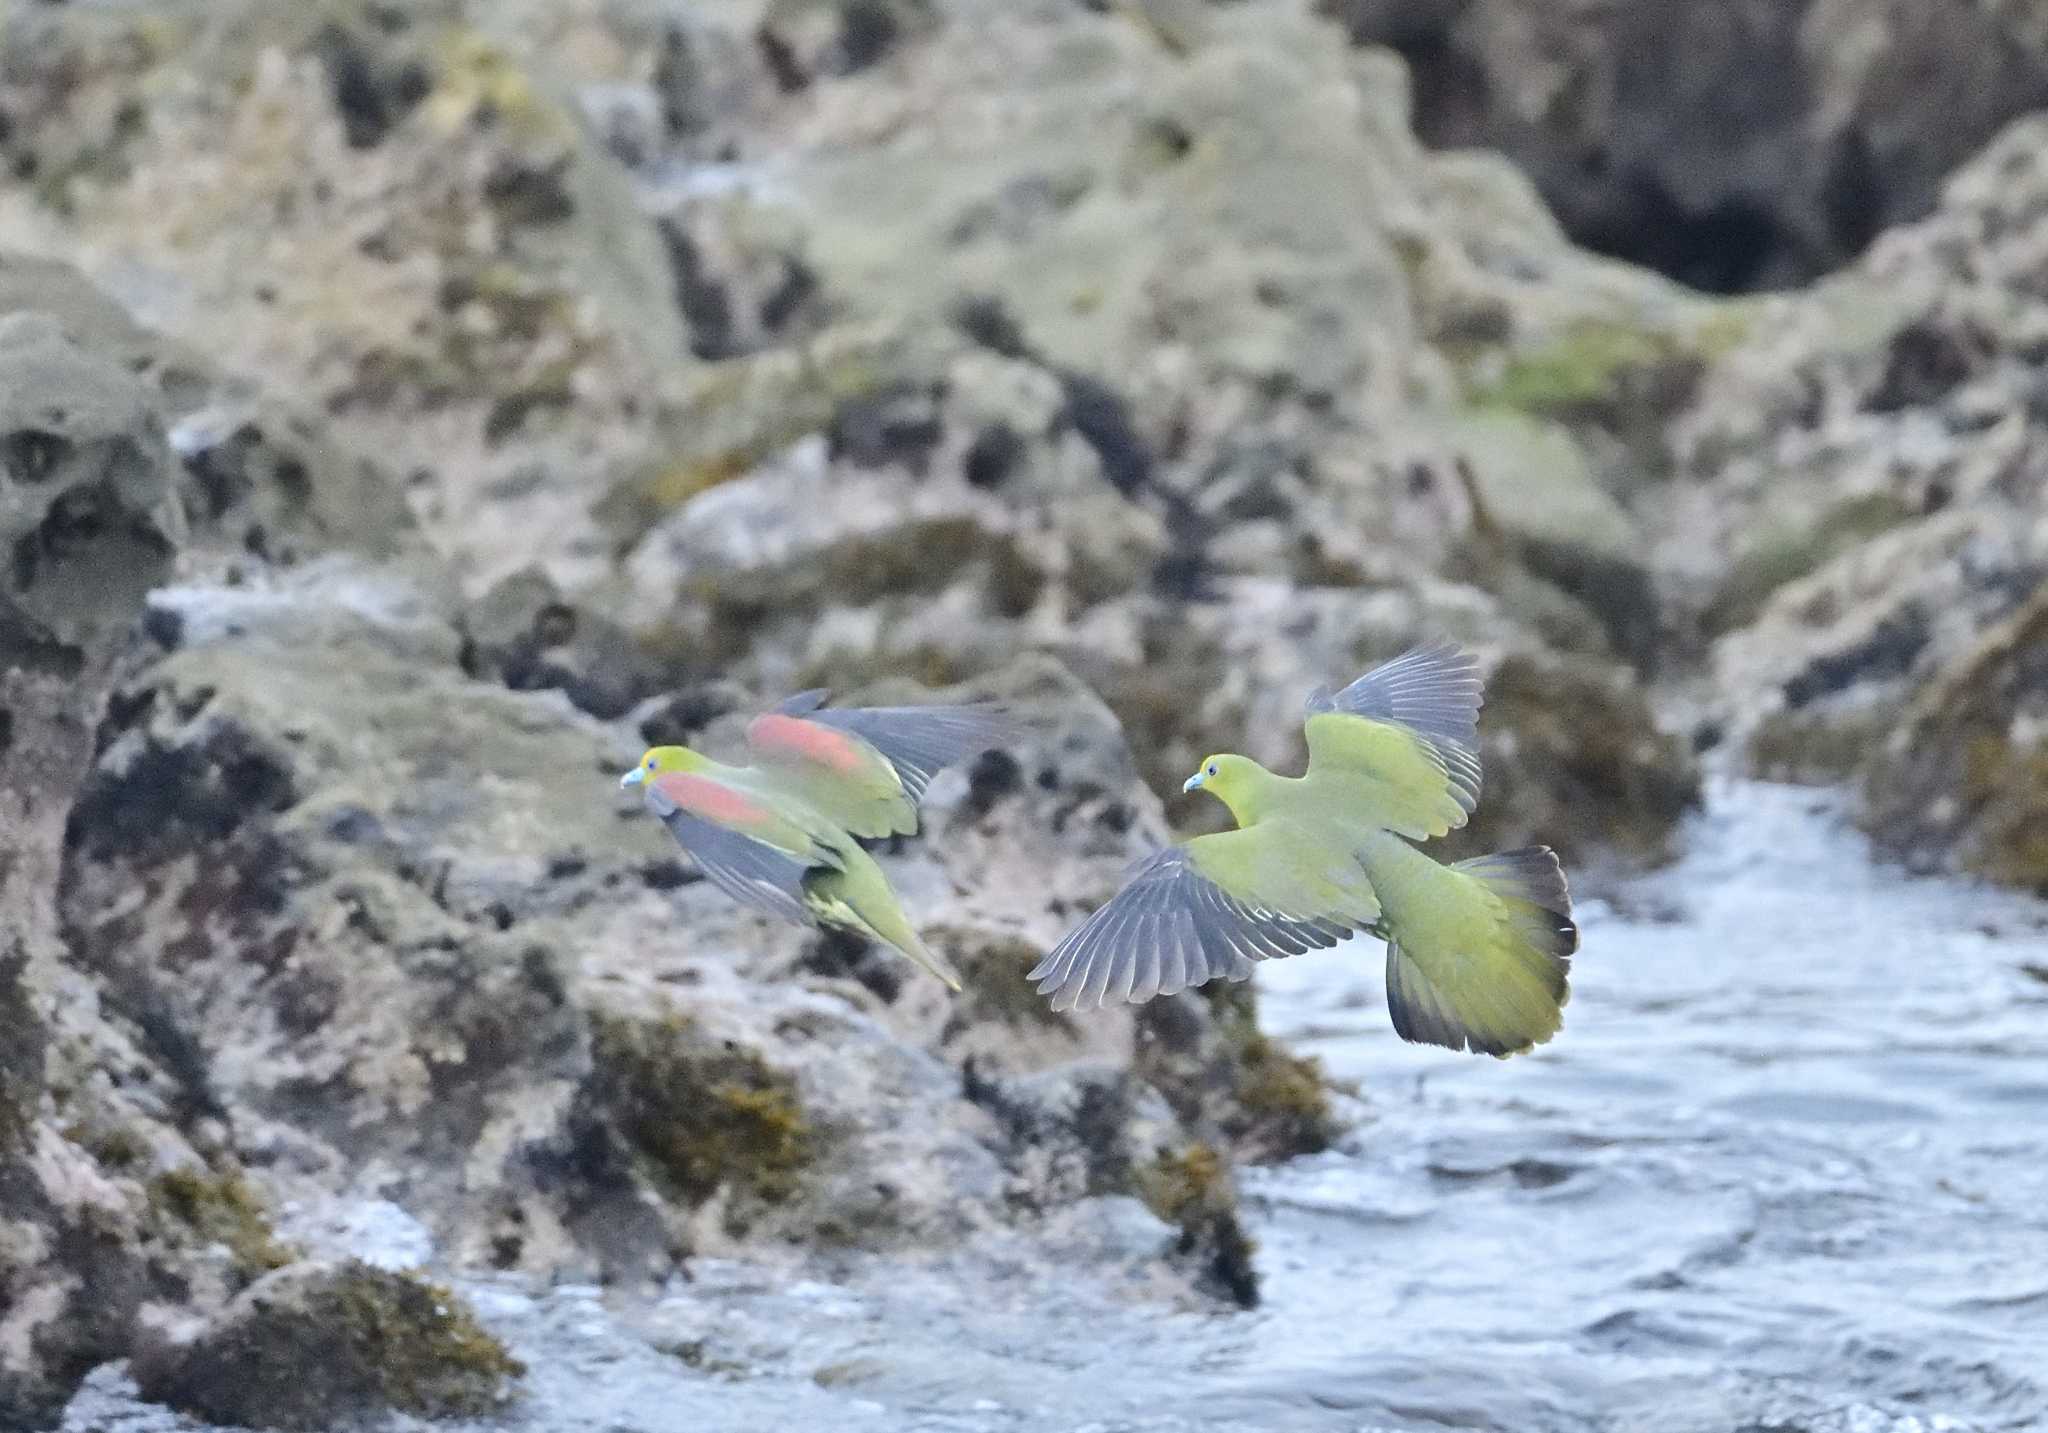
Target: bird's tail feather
[[860, 898], [1479, 953]]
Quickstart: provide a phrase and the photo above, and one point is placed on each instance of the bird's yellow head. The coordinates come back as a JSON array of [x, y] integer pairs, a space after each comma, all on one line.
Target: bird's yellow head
[[659, 761], [1227, 778]]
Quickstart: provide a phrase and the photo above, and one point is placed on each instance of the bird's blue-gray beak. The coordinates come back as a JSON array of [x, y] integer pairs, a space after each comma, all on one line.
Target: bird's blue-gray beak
[[634, 777], [1194, 783]]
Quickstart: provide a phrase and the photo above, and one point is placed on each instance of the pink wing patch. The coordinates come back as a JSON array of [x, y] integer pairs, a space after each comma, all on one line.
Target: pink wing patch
[[720, 804], [839, 752]]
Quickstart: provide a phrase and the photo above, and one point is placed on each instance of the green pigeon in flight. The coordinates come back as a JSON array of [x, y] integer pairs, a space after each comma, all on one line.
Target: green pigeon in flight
[[1478, 952], [783, 834]]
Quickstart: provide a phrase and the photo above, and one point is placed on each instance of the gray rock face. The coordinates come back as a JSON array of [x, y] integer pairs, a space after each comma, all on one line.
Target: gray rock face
[[88, 524], [1863, 509], [1737, 145], [1027, 325], [359, 919]]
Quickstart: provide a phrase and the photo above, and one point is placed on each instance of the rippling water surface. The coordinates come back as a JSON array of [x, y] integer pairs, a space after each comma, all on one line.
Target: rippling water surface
[[1786, 1169]]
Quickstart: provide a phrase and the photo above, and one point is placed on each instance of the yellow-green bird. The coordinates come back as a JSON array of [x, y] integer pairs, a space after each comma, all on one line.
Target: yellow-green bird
[[783, 834], [1478, 953]]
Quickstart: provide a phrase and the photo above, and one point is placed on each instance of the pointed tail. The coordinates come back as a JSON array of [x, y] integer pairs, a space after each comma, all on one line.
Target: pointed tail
[[1479, 953], [860, 897]]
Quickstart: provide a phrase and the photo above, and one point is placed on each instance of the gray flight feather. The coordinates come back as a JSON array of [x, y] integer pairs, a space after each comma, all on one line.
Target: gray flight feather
[[1168, 929]]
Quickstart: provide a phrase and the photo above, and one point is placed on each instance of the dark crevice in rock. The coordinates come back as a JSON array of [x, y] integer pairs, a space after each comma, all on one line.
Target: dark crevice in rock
[[1716, 141], [1889, 651], [371, 95], [32, 456], [1733, 247], [30, 646], [842, 955], [171, 800]]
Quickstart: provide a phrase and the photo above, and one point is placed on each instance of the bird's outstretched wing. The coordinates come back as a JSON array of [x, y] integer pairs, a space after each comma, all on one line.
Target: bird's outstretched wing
[[1210, 908], [867, 768], [1400, 745], [711, 822]]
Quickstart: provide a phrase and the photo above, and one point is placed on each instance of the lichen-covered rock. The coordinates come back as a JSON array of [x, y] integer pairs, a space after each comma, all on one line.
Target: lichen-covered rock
[[883, 293], [1863, 487], [1192, 1188], [314, 1344], [1576, 759], [1962, 779], [410, 930], [391, 210], [88, 523], [525, 633]]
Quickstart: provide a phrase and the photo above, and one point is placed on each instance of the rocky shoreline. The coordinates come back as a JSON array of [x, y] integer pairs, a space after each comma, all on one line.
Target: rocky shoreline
[[409, 411]]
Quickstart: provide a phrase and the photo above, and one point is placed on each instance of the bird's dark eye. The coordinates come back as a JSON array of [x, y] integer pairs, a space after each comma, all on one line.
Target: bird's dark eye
[[1212, 768], [650, 763]]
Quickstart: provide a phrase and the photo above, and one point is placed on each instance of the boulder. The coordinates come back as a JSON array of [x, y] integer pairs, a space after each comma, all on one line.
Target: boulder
[[318, 1343]]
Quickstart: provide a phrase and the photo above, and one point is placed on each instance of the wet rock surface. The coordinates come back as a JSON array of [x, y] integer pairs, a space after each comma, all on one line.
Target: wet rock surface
[[320, 1344]]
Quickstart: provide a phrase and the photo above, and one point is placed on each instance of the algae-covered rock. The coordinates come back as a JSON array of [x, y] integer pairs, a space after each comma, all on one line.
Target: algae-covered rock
[[1225, 1076], [320, 1342], [1192, 1188], [220, 1208], [1963, 778], [703, 1113], [1576, 759]]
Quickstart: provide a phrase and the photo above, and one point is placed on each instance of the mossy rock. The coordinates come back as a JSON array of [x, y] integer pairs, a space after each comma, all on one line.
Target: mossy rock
[[1817, 748], [221, 1207], [1784, 554], [1535, 499], [1617, 375], [1575, 759], [1228, 1080], [1963, 780], [1280, 1103], [703, 1114], [316, 1344], [1192, 1189]]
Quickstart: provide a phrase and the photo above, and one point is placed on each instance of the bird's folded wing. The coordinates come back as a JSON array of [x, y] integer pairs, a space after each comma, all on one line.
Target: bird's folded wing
[[1400, 744], [758, 876], [835, 772], [743, 845], [918, 742], [1209, 909]]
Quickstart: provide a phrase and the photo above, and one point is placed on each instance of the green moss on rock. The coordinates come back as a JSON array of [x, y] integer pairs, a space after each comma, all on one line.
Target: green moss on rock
[[1281, 1100], [314, 1345], [1816, 748], [703, 1113], [1192, 1189], [1965, 779], [1575, 759], [1582, 366], [221, 1207], [1785, 555]]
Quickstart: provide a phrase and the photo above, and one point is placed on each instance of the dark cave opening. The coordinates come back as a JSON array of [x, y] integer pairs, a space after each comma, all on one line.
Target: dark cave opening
[[1752, 232]]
